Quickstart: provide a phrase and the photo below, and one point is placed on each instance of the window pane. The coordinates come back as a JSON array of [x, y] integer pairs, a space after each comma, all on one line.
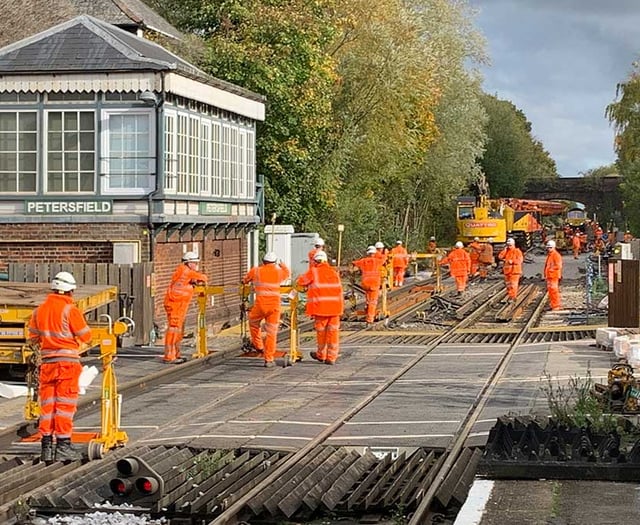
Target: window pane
[[86, 161], [54, 141], [71, 181], [71, 141], [55, 121], [27, 182], [87, 122], [7, 141], [55, 161], [86, 141], [27, 141], [71, 161], [54, 181], [86, 181], [7, 182], [8, 162], [7, 121], [70, 121], [28, 121], [27, 161]]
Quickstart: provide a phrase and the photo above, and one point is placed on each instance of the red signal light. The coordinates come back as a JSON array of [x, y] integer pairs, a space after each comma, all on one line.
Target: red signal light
[[120, 487], [146, 486]]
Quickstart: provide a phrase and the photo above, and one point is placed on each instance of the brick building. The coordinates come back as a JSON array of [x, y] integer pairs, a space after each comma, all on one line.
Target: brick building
[[113, 149]]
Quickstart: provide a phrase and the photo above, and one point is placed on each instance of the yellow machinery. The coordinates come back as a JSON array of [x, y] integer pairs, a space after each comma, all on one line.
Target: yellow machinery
[[203, 292], [17, 302]]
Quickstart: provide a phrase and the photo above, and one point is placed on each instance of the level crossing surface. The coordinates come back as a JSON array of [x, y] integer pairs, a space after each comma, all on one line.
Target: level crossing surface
[[235, 402]]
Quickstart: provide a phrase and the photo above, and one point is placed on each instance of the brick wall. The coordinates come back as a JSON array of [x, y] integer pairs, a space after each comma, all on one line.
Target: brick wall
[[224, 263], [78, 243]]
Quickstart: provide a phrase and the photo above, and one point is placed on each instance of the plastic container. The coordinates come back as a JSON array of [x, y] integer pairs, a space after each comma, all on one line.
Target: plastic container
[[87, 376]]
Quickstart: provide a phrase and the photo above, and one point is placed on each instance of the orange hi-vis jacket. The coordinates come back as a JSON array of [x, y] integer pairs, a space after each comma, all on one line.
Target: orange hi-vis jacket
[[486, 254], [266, 280], [370, 267], [59, 326], [459, 262], [553, 265], [400, 257], [181, 286], [513, 259], [324, 290], [312, 254]]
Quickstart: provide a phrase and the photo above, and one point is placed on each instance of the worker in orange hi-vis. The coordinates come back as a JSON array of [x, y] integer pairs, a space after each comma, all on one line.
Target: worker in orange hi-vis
[[371, 278], [176, 304], [474, 248], [553, 275], [325, 304], [266, 280], [486, 259], [318, 246], [58, 328], [459, 263], [400, 261], [512, 268], [576, 244]]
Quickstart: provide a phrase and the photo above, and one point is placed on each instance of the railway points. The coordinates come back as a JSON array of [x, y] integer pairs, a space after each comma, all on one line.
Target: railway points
[[383, 423]]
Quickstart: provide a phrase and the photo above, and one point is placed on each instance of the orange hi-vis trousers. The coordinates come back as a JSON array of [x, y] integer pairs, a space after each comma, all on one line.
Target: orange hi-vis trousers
[[461, 282], [58, 395], [327, 337], [271, 317], [553, 288], [371, 298], [512, 282], [398, 275], [176, 314]]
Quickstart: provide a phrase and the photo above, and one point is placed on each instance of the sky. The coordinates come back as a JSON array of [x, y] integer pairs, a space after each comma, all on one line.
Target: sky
[[559, 61]]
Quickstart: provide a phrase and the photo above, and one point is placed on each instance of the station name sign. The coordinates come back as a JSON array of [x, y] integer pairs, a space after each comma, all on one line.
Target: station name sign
[[68, 207], [215, 208]]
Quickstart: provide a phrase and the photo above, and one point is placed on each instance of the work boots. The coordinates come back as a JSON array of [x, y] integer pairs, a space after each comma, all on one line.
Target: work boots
[[66, 452], [46, 453]]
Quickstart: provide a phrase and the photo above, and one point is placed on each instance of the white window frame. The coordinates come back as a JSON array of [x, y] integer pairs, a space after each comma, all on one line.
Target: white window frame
[[170, 151], [104, 137], [216, 158], [205, 157], [45, 149], [18, 151]]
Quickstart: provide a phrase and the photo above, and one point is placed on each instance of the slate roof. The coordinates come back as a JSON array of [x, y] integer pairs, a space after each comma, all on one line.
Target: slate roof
[[22, 18], [88, 45]]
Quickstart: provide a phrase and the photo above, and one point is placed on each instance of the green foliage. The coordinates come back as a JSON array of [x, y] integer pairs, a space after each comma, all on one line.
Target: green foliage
[[573, 404], [512, 154]]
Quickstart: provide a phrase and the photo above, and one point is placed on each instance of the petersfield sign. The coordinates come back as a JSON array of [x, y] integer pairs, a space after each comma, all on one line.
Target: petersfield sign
[[68, 207]]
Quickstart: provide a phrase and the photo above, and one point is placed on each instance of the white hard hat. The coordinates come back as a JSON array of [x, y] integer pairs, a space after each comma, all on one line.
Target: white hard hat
[[511, 242], [63, 282], [190, 257], [459, 245], [371, 249], [398, 242], [320, 256], [476, 239], [432, 238], [379, 245], [319, 242], [551, 244], [270, 257]]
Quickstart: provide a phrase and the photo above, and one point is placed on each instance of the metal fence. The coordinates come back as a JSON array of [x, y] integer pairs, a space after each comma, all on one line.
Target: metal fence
[[134, 281]]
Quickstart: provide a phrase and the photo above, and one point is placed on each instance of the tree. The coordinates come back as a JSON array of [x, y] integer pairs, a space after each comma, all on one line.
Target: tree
[[512, 155]]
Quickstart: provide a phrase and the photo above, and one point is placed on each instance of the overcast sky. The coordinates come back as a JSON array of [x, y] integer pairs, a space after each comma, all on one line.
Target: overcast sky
[[559, 62]]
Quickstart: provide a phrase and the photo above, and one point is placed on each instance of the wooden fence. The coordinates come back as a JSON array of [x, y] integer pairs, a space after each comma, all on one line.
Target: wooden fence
[[134, 282]]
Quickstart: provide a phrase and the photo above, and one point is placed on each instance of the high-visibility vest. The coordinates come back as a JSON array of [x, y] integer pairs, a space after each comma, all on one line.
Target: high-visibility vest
[[400, 257], [181, 287], [553, 265], [324, 290], [513, 259], [266, 280], [459, 262], [370, 268], [57, 325]]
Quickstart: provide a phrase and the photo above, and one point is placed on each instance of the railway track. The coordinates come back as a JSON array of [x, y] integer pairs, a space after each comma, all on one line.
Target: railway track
[[261, 482]]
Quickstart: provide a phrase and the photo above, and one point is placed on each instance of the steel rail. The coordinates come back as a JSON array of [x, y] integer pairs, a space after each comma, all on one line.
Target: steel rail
[[452, 452], [229, 515]]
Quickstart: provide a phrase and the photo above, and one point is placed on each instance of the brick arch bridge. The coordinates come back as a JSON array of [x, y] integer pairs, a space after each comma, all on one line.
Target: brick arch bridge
[[600, 195]]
